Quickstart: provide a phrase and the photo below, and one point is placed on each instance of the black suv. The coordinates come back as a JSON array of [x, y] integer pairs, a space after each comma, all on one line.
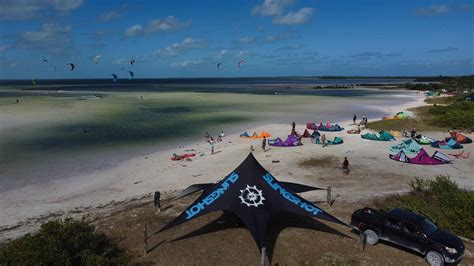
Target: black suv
[[409, 230]]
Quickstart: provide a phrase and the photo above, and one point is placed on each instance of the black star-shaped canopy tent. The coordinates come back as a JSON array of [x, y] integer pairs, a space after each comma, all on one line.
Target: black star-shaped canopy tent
[[251, 193]]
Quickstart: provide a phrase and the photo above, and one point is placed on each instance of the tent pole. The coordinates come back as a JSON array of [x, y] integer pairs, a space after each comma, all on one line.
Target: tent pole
[[145, 239], [262, 257], [328, 198]]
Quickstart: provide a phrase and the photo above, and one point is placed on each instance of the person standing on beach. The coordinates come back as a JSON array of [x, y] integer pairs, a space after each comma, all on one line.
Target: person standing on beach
[[354, 119], [345, 166], [323, 140], [207, 136], [293, 126], [264, 144], [157, 200]]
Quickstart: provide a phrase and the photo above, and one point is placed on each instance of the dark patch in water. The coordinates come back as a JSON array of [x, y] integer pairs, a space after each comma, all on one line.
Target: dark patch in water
[[19, 94], [169, 110]]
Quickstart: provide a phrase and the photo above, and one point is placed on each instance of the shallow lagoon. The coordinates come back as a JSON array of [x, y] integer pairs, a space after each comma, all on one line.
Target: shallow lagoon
[[50, 134]]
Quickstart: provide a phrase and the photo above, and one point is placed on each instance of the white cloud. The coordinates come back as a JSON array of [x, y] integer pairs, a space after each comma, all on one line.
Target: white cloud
[[186, 63], [176, 48], [108, 16], [242, 54], [373, 55], [433, 10], [168, 24], [133, 30], [121, 61], [247, 40], [29, 9], [65, 5], [291, 47], [442, 50], [221, 54], [295, 18], [271, 7], [4, 47], [51, 38], [279, 36]]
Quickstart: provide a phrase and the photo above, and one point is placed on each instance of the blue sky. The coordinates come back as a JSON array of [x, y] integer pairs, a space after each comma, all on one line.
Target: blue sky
[[275, 38]]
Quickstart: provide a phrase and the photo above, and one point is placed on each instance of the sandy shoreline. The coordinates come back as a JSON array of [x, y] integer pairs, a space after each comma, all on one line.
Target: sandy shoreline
[[24, 209]]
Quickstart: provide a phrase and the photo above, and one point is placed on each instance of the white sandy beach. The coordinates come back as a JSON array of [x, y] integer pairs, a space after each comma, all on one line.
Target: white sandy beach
[[373, 174]]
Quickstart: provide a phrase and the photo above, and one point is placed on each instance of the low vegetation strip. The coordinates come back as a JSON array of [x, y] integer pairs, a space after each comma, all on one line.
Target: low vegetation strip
[[455, 113], [441, 200], [442, 83], [67, 242]]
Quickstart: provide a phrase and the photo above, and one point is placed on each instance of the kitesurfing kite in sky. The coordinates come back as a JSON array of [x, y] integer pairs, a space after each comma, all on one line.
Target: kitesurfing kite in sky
[[71, 66], [96, 58], [241, 62], [219, 65]]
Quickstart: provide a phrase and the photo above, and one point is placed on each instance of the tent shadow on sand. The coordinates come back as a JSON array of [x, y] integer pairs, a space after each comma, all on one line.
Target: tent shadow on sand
[[279, 223]]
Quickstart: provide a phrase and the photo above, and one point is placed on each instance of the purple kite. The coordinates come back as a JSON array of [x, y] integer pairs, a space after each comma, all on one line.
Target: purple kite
[[422, 158], [291, 141]]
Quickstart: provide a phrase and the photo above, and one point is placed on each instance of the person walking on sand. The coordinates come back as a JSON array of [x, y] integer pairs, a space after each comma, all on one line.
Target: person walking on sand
[[264, 144], [157, 201], [345, 166], [222, 134], [354, 119], [323, 140], [293, 126]]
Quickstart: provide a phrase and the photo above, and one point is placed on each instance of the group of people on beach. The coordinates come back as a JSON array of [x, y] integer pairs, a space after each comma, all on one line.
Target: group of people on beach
[[345, 164], [293, 132], [363, 122], [209, 139]]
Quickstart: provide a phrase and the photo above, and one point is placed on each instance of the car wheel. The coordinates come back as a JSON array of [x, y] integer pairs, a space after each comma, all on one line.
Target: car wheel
[[371, 237], [434, 258]]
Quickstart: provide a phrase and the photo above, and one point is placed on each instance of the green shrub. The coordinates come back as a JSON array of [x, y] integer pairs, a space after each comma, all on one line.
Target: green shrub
[[67, 242], [456, 115], [441, 200], [459, 114]]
